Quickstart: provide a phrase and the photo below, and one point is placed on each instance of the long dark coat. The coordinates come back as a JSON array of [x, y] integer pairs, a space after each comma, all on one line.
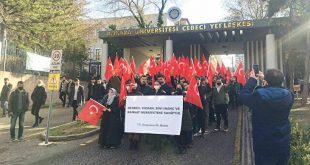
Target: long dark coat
[[38, 98], [110, 126]]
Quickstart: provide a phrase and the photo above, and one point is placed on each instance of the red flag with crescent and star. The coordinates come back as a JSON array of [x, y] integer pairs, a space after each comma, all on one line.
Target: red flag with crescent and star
[[192, 95], [133, 65], [240, 74], [109, 71], [91, 112]]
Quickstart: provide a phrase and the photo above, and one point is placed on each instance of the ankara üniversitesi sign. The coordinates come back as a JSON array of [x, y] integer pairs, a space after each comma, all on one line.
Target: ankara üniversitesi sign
[[192, 28]]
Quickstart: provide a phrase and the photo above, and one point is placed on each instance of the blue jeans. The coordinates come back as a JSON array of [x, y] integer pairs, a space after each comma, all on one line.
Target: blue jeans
[[271, 160], [21, 117]]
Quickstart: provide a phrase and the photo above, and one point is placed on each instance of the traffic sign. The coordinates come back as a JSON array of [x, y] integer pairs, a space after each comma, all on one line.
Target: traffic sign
[[56, 60], [53, 81]]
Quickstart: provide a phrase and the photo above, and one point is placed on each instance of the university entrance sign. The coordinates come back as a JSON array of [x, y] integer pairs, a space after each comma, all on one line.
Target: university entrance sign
[[208, 27]]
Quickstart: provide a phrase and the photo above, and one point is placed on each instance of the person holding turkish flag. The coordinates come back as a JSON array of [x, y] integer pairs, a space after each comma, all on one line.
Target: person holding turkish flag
[[91, 112], [110, 134]]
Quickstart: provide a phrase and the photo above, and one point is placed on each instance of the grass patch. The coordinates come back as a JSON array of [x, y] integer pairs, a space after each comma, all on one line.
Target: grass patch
[[301, 116], [71, 129]]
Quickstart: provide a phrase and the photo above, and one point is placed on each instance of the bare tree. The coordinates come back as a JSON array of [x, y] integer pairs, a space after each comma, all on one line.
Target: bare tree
[[160, 5], [137, 9], [246, 9]]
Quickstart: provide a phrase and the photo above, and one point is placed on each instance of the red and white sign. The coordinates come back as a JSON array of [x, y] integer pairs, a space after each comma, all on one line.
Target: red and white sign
[[56, 60]]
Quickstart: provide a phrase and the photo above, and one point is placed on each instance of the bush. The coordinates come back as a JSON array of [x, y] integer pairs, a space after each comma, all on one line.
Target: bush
[[300, 146]]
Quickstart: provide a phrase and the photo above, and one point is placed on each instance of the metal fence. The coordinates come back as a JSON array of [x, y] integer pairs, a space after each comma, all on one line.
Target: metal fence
[[12, 58]]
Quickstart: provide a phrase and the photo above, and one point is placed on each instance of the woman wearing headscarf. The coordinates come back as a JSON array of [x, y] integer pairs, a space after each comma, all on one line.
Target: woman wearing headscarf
[[110, 128]]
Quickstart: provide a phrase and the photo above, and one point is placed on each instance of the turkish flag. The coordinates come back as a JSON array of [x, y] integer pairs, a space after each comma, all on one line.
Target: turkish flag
[[192, 95], [205, 65], [240, 74], [223, 70], [116, 65], [218, 68], [152, 68], [141, 69], [160, 66], [228, 76], [109, 70], [91, 112], [174, 65], [133, 65], [123, 93], [125, 69]]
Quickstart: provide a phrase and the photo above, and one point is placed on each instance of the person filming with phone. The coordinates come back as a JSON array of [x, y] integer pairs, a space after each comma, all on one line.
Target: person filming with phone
[[271, 105]]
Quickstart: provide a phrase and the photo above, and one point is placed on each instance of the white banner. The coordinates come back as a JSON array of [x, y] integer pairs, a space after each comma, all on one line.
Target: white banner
[[154, 114], [37, 62]]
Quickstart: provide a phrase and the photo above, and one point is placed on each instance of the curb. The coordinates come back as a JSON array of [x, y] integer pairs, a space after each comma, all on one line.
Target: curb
[[69, 137], [237, 144]]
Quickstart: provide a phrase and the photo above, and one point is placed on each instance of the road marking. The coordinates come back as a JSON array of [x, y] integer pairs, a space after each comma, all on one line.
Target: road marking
[[89, 141]]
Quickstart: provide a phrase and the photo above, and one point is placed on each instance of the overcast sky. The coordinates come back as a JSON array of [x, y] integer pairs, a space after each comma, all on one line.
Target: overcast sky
[[197, 11]]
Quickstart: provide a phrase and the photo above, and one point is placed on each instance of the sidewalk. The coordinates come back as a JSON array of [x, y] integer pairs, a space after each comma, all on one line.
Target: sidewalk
[[59, 115]]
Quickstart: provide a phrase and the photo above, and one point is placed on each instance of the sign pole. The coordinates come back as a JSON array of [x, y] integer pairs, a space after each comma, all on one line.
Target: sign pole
[[49, 117], [52, 85]]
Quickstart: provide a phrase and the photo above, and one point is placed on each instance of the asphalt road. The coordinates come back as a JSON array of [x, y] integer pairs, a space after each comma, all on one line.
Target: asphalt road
[[217, 148]]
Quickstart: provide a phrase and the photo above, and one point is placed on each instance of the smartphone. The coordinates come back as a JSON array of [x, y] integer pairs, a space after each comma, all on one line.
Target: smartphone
[[256, 68]]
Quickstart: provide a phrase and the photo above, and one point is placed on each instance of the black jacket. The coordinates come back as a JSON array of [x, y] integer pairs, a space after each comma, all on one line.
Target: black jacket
[[80, 94], [5, 92], [39, 95], [159, 92], [186, 117], [145, 90], [99, 92], [166, 88], [13, 101]]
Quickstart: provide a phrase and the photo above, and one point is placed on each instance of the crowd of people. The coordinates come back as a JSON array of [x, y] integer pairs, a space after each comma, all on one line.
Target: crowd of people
[[215, 100], [270, 104]]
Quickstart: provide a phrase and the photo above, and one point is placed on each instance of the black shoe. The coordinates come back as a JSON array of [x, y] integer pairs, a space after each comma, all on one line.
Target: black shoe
[[40, 120], [35, 125]]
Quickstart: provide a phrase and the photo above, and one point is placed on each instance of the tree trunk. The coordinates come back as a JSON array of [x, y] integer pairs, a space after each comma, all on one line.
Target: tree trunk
[[307, 72]]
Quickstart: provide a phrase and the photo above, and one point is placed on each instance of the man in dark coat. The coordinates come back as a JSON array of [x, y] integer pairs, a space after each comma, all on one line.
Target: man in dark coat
[[164, 86], [233, 91], [99, 90], [201, 113], [4, 96], [18, 105], [91, 90], [76, 97], [271, 107], [143, 87], [63, 90], [220, 100], [38, 98]]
